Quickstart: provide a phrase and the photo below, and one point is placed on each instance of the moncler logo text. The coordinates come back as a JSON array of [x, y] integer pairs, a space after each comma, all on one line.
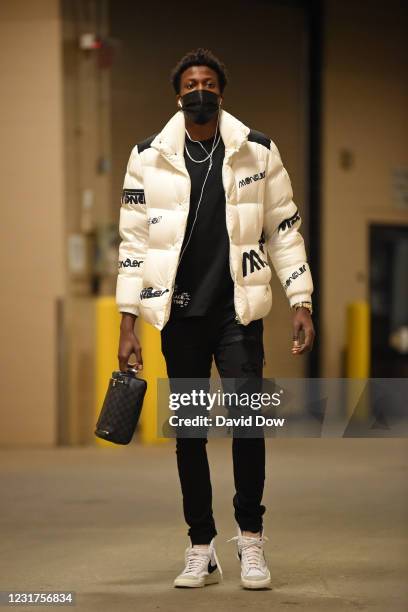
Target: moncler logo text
[[249, 179], [287, 223], [130, 263], [252, 260], [295, 275], [149, 292]]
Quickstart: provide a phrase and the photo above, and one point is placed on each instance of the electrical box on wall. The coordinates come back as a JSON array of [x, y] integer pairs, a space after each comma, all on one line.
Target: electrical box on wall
[[77, 254], [399, 180]]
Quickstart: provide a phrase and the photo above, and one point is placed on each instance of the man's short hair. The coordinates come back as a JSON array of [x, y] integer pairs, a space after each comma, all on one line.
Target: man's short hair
[[199, 57]]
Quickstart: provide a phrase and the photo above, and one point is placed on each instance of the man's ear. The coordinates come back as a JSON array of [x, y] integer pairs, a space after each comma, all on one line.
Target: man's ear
[[179, 102]]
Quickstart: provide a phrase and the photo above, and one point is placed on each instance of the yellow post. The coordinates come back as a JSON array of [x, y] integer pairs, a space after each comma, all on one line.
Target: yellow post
[[358, 340], [107, 341], [357, 354], [107, 329]]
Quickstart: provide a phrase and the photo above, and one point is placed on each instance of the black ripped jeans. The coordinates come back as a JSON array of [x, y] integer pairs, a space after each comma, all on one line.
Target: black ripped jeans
[[189, 345]]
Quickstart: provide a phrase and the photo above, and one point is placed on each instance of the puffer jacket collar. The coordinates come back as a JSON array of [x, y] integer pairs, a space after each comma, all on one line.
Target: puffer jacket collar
[[170, 141]]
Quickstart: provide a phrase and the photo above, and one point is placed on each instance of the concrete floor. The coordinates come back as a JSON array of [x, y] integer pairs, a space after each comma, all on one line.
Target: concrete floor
[[107, 523]]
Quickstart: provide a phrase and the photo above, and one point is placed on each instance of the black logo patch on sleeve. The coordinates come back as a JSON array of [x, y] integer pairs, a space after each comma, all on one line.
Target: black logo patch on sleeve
[[133, 196], [287, 223]]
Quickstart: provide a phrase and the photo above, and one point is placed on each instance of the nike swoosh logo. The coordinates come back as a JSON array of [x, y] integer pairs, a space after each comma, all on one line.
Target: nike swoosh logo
[[211, 568]]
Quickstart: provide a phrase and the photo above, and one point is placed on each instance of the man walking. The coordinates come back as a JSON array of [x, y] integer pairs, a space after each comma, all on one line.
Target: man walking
[[205, 201]]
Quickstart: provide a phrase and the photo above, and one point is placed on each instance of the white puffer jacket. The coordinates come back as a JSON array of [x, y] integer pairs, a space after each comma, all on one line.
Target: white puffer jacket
[[260, 213]]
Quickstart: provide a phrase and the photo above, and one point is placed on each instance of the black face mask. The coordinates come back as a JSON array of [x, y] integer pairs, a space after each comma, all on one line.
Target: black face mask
[[200, 105]]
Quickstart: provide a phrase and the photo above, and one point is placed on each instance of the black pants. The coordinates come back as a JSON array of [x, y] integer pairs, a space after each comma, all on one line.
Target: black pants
[[188, 346]]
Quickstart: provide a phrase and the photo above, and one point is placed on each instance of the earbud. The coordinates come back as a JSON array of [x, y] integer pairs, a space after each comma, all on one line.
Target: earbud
[[180, 104]]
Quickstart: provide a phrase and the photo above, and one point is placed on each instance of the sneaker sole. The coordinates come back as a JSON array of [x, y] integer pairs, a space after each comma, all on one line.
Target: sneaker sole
[[212, 578], [255, 584]]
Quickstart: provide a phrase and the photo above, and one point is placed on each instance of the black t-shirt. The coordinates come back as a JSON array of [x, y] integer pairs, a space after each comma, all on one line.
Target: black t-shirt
[[203, 278]]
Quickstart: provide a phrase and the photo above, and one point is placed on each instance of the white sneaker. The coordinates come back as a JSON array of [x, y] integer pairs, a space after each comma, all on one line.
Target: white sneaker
[[202, 567], [254, 571]]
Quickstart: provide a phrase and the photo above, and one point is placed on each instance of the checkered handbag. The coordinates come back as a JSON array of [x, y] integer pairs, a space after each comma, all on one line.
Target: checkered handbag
[[121, 407]]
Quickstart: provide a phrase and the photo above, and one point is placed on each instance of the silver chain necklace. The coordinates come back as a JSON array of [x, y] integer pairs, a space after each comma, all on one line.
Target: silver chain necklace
[[214, 146]]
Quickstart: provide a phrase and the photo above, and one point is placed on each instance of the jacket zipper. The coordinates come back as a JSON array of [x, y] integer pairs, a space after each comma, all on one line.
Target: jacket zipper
[[237, 319], [170, 301]]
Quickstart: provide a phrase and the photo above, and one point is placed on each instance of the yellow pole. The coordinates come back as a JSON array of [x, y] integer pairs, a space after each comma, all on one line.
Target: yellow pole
[[107, 328], [357, 353], [358, 340]]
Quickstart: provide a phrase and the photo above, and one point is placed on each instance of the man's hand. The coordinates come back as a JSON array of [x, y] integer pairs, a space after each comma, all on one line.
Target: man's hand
[[302, 321], [129, 343]]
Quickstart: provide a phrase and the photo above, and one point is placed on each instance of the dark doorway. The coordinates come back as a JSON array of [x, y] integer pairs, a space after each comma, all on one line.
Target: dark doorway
[[389, 301]]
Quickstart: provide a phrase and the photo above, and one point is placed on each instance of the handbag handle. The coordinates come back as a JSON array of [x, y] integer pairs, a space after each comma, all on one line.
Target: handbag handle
[[125, 379]]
